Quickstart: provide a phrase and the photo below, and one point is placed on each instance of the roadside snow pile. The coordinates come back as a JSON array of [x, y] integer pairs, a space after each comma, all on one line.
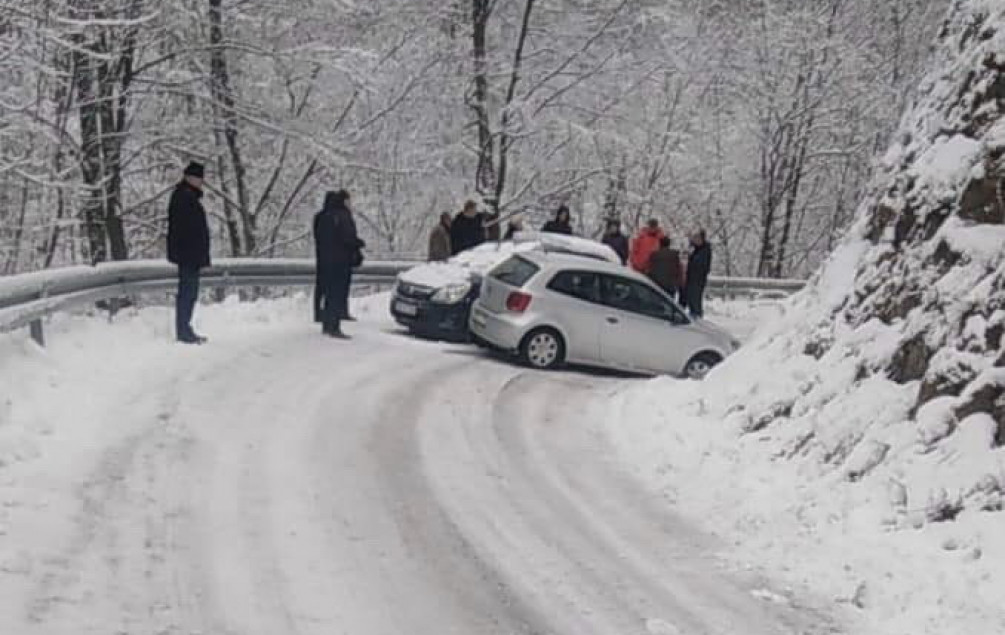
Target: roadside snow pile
[[856, 445]]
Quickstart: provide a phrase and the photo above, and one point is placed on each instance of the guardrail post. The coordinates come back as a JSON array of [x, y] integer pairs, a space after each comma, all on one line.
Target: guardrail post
[[35, 328]]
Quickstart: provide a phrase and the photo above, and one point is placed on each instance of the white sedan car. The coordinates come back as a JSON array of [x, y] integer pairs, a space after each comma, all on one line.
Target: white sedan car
[[551, 309], [434, 299]]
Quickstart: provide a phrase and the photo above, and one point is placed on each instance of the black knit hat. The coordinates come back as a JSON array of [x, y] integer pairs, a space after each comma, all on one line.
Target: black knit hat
[[195, 169]]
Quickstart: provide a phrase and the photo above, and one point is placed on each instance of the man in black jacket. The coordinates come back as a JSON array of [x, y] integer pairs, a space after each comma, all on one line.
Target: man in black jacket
[[699, 264], [665, 268], [188, 248], [467, 229], [338, 249]]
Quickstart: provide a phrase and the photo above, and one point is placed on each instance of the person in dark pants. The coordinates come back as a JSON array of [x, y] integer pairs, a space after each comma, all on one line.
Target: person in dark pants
[[338, 249], [699, 264], [617, 241], [665, 268], [561, 224], [188, 248], [467, 229]]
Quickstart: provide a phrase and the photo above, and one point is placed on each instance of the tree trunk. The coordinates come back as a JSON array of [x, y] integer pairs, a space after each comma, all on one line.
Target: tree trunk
[[90, 153], [224, 105], [504, 139], [102, 108], [485, 176]]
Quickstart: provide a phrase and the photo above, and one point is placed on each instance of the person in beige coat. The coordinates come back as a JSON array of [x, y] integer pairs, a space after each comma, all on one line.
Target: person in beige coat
[[439, 240]]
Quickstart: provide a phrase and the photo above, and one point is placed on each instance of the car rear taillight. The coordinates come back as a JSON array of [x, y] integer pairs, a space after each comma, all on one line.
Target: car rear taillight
[[518, 301]]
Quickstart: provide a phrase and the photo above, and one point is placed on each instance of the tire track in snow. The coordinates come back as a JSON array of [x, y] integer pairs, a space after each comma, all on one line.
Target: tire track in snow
[[663, 562], [435, 581]]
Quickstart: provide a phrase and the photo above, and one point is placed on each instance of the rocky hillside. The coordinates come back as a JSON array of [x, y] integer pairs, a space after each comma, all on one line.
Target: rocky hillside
[[936, 230], [909, 314]]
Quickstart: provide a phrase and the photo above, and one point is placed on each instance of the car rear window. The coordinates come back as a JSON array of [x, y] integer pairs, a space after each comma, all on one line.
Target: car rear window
[[515, 272]]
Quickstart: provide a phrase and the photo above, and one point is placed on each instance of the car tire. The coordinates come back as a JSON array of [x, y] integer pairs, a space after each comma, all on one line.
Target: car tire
[[700, 365], [543, 349]]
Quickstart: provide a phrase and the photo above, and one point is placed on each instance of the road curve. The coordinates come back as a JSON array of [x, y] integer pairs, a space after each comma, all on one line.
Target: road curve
[[381, 486]]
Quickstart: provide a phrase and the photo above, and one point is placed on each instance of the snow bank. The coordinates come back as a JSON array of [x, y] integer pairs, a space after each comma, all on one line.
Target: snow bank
[[867, 463], [818, 476]]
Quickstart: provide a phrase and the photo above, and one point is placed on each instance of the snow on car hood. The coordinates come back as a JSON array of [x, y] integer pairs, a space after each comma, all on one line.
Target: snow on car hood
[[478, 261]]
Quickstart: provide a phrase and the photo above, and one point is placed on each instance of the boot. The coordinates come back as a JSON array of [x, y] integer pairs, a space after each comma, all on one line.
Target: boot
[[334, 330]]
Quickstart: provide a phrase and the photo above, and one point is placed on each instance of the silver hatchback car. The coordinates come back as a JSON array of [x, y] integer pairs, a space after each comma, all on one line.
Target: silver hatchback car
[[552, 309]]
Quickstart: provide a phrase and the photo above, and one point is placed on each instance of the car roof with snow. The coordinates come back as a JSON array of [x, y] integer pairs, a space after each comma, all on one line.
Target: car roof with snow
[[552, 260], [481, 259]]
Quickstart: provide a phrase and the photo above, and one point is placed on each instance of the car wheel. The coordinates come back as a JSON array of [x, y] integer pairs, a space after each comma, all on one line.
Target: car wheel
[[543, 349], [701, 364]]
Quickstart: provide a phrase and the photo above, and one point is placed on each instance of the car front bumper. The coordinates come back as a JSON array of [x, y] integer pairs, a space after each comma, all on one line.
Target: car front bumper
[[432, 319]]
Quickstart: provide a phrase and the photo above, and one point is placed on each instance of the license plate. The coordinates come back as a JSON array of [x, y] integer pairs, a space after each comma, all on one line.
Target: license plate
[[406, 309]]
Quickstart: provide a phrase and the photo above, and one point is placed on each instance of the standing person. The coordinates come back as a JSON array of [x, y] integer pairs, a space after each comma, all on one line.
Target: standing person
[[515, 226], [699, 264], [467, 230], [493, 230], [188, 247], [338, 249], [645, 245], [665, 268], [617, 241], [439, 240], [561, 224]]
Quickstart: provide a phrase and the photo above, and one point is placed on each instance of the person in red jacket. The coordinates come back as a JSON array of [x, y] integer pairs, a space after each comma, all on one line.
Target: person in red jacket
[[645, 245]]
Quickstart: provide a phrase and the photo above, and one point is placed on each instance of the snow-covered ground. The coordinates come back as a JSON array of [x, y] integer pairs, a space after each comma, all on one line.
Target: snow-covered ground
[[814, 477], [275, 482]]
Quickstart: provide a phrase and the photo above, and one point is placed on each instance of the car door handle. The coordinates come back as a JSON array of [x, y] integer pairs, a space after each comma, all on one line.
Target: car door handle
[[612, 320]]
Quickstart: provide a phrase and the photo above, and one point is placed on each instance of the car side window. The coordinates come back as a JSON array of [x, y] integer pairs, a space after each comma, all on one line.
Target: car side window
[[581, 285], [635, 297]]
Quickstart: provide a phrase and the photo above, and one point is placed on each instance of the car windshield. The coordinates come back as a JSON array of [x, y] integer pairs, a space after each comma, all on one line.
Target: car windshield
[[515, 272]]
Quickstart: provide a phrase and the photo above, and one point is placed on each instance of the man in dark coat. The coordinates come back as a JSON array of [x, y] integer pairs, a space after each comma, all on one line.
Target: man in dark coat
[[561, 224], [337, 247], [188, 248], [617, 241], [699, 264], [467, 230], [665, 268]]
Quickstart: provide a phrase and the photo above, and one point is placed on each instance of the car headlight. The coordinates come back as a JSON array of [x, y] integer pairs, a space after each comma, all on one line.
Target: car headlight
[[452, 293]]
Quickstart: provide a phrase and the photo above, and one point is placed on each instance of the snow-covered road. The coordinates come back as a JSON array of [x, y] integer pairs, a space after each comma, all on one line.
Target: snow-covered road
[[291, 485]]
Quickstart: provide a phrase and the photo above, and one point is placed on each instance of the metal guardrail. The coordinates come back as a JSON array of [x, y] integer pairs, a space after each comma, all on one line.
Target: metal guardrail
[[27, 298]]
